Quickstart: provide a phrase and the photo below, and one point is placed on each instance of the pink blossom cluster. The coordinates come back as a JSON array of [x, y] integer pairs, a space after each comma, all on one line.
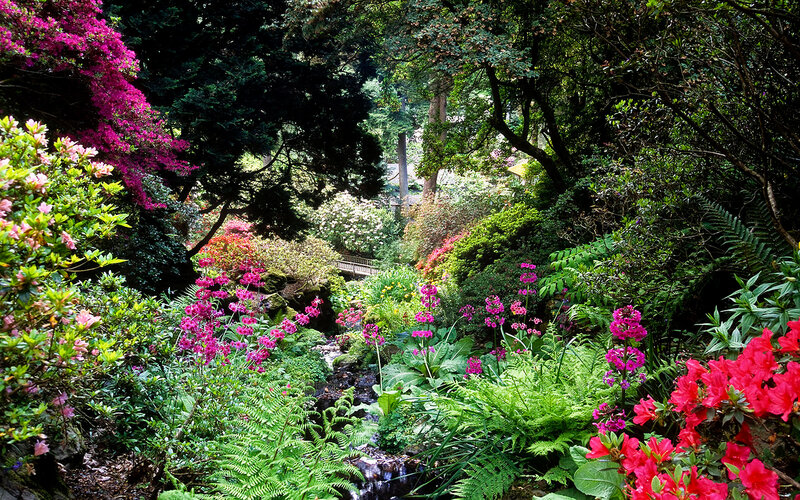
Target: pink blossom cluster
[[626, 324], [423, 334], [428, 296], [372, 336], [626, 359], [500, 353], [473, 367], [467, 311], [527, 278], [423, 351], [608, 419], [423, 317], [202, 323], [435, 258], [350, 318], [518, 309], [64, 409], [494, 306]]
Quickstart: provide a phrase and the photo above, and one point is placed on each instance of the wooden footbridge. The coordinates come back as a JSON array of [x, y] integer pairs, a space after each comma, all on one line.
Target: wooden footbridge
[[356, 266]]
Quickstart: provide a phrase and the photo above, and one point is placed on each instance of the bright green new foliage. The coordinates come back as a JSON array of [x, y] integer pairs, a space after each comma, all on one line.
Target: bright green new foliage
[[490, 239]]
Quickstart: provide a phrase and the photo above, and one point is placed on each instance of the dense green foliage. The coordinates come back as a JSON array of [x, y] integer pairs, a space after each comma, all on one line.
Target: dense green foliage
[[280, 81], [490, 239], [610, 200]]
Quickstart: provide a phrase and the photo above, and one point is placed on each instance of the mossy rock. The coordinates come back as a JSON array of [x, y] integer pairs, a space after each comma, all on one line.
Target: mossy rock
[[346, 360], [273, 281], [275, 303]]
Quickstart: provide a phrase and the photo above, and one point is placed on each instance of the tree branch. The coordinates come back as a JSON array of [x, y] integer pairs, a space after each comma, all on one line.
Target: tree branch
[[200, 244]]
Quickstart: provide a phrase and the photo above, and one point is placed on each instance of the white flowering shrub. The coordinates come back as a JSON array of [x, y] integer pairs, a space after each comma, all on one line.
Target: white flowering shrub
[[353, 225]]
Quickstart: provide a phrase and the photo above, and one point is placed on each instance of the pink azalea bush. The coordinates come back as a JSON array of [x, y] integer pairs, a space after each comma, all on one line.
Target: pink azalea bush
[[54, 204]]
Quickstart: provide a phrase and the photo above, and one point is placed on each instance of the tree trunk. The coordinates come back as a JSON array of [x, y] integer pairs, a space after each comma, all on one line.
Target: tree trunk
[[223, 214], [437, 115], [402, 167]]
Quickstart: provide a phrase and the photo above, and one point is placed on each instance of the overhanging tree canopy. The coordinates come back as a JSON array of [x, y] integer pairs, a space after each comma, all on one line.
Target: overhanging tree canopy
[[280, 81]]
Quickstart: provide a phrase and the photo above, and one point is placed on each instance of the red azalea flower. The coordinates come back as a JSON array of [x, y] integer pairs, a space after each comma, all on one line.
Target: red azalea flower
[[783, 395], [645, 411], [759, 482], [598, 448], [744, 435], [789, 342], [705, 487], [737, 456], [660, 450], [685, 396]]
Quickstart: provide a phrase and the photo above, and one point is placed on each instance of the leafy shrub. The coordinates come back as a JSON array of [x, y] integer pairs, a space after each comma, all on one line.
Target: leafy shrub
[[306, 265], [122, 398], [490, 239], [501, 278], [762, 302], [399, 284], [395, 430], [353, 225], [418, 371], [436, 219], [155, 260], [430, 267], [51, 213]]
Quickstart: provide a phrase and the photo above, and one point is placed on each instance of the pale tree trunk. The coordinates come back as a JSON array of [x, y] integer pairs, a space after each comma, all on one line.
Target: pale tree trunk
[[402, 160], [402, 166], [437, 114]]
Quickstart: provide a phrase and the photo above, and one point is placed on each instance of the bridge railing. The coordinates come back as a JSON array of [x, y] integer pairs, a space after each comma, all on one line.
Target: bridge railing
[[358, 266]]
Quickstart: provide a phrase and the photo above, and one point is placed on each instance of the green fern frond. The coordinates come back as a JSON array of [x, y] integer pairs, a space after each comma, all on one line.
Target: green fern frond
[[268, 456], [487, 479], [555, 475], [751, 251], [567, 264]]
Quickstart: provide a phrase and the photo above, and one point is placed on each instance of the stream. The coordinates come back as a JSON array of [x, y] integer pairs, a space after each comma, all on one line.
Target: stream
[[386, 476]]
